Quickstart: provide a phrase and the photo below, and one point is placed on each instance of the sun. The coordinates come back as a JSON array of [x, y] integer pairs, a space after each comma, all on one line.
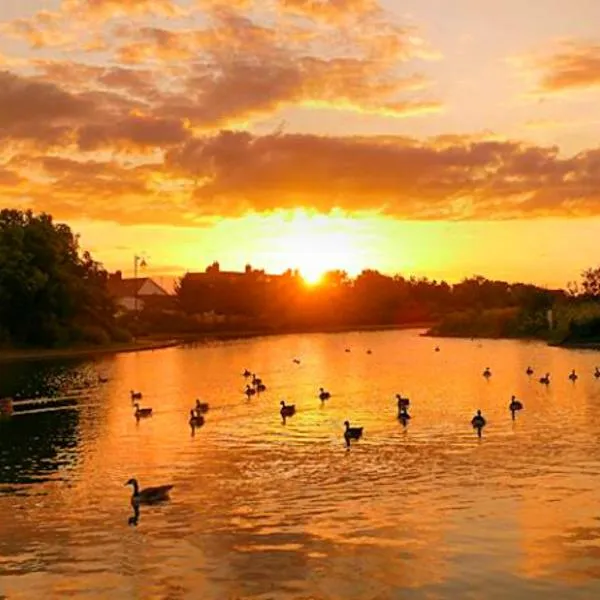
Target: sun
[[315, 244]]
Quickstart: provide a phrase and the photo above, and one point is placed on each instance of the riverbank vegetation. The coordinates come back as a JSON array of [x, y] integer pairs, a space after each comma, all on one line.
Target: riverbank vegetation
[[54, 295]]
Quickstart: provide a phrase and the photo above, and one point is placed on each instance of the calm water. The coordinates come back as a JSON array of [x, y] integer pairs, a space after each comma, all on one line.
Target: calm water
[[265, 510]]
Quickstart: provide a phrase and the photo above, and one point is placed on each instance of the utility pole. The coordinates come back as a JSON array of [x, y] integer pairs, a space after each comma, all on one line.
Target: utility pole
[[141, 262]]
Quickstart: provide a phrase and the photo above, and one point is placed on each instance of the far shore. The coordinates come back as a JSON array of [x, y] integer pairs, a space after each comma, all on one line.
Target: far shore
[[170, 341]]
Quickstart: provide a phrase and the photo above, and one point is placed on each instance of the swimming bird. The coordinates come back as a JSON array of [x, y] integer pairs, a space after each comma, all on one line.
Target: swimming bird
[[347, 350], [261, 387], [135, 395], [249, 391], [287, 410], [323, 395], [255, 380], [148, 495], [246, 373], [529, 371], [352, 433], [487, 372], [201, 407], [296, 360], [597, 373], [437, 348], [545, 379], [573, 375], [514, 406], [402, 402], [369, 351], [142, 412], [478, 422], [195, 420]]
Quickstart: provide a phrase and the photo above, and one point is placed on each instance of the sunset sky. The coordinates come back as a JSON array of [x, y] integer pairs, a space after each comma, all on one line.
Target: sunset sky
[[443, 138]]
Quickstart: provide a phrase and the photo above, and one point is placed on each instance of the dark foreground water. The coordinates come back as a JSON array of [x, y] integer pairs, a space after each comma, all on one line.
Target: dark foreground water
[[266, 510]]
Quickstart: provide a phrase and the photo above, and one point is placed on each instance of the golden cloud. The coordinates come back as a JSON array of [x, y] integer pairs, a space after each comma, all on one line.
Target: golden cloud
[[575, 66], [120, 8], [330, 11]]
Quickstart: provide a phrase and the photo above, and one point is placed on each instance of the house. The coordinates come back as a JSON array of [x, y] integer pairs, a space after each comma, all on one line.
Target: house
[[134, 293]]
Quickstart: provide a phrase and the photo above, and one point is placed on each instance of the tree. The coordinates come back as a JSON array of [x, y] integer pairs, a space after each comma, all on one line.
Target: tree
[[50, 292]]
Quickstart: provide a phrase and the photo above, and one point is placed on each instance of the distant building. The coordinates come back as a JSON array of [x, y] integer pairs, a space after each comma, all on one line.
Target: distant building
[[126, 291], [214, 275]]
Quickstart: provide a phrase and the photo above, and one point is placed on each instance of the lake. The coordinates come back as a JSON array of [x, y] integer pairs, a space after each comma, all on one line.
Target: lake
[[262, 509]]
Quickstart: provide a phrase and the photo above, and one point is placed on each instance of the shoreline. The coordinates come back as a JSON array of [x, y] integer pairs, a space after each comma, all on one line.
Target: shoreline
[[39, 354], [35, 354]]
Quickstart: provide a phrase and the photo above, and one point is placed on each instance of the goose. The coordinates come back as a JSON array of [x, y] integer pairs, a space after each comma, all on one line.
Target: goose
[[545, 379], [597, 373], [573, 375], [255, 380], [402, 402], [478, 422], [487, 372], [297, 361], [196, 420], [369, 352], [142, 412], [352, 433], [529, 371], [148, 495], [136, 395], [249, 391], [514, 406], [201, 407], [323, 395], [437, 348], [246, 373], [347, 350], [261, 387], [287, 410]]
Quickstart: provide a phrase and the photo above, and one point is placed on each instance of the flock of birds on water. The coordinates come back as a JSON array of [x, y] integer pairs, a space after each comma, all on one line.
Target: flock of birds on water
[[152, 495]]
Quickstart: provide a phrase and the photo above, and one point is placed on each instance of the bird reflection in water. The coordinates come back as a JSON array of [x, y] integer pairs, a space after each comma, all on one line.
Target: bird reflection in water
[[134, 519]]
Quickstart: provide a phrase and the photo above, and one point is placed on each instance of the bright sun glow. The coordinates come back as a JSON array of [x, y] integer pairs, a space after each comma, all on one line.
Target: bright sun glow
[[315, 244]]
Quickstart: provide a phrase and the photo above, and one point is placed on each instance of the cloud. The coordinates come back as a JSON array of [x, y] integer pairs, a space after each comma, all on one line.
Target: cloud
[[236, 172], [121, 8], [330, 11], [576, 66]]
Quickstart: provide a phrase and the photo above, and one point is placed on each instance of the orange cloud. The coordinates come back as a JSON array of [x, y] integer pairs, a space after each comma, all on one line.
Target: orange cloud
[[120, 8], [236, 172], [577, 66], [330, 11]]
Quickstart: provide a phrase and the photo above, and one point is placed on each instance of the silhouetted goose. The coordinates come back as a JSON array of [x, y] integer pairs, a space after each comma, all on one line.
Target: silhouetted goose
[[529, 371], [297, 361], [514, 406], [352, 433], [437, 348], [402, 402], [478, 422], [142, 412], [487, 372], [255, 380], [148, 495], [369, 352], [573, 375], [201, 407], [287, 410], [250, 391], [545, 379], [261, 387], [597, 373], [136, 395], [323, 395], [347, 350], [195, 420], [246, 373]]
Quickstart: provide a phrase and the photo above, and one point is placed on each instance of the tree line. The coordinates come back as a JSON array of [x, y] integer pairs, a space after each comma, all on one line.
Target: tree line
[[52, 293]]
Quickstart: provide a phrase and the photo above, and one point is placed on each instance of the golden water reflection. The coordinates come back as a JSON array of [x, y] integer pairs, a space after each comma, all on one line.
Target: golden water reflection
[[262, 509]]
